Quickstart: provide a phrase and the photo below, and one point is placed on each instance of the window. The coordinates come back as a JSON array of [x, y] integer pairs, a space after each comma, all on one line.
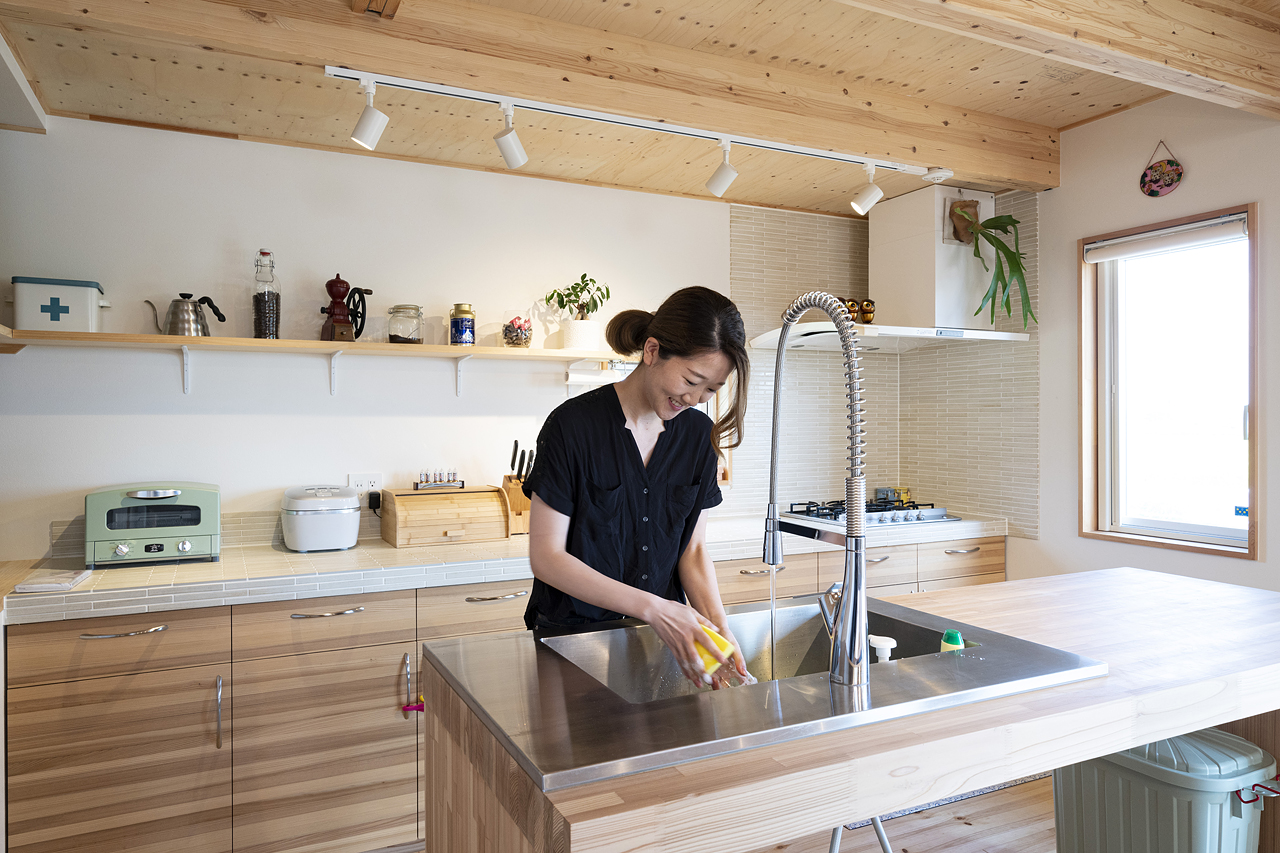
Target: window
[[1169, 389]]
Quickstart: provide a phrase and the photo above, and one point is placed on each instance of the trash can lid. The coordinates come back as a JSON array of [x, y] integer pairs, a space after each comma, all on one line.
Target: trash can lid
[[1207, 760]]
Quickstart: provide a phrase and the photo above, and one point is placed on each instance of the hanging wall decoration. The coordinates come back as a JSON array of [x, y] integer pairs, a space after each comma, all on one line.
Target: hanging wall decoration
[[1161, 177]]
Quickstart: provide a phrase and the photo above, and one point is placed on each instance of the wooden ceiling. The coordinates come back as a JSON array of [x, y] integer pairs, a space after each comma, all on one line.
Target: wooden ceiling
[[819, 73]]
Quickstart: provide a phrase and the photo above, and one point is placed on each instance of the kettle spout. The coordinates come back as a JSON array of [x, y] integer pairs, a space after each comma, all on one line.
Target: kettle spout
[[155, 316]]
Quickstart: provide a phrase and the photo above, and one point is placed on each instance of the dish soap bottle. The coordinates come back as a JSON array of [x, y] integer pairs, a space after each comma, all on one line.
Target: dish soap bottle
[[952, 641], [266, 297]]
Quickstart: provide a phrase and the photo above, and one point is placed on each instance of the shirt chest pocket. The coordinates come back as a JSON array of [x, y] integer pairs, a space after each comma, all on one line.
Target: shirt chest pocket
[[679, 506], [602, 509]]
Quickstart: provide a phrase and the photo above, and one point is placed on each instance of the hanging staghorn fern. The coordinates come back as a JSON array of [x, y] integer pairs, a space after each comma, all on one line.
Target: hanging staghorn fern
[[1009, 269]]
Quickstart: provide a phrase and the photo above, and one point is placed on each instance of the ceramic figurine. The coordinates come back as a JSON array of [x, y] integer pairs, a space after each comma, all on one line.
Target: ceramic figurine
[[867, 311]]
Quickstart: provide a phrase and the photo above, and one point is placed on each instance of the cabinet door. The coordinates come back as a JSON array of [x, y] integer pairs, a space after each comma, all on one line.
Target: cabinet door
[[748, 580], [126, 763], [887, 566], [960, 558], [325, 757]]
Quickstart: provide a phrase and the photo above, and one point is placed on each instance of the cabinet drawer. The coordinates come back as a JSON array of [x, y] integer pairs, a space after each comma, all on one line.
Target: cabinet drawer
[[275, 628], [968, 580], [51, 652], [445, 611], [889, 565], [800, 577], [961, 557], [891, 590]]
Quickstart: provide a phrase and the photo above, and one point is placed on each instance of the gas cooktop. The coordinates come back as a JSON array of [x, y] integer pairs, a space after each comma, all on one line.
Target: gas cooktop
[[878, 512]]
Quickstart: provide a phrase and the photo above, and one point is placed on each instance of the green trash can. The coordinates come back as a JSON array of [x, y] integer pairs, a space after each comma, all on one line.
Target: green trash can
[[1197, 793]]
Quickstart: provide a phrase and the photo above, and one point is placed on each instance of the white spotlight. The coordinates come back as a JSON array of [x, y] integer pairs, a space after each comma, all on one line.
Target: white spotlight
[[724, 174], [508, 142], [869, 195], [371, 124]]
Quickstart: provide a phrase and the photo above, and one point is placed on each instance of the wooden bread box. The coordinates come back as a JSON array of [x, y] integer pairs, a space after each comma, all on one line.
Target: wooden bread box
[[481, 514]]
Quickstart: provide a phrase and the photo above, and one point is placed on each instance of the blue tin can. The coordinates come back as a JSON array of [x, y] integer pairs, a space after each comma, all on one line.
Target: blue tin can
[[462, 325]]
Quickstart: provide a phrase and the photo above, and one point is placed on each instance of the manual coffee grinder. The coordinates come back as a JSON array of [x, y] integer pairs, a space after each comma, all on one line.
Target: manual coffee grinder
[[346, 311]]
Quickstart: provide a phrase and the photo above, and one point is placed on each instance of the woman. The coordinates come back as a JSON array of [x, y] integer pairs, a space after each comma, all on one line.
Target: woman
[[623, 475]]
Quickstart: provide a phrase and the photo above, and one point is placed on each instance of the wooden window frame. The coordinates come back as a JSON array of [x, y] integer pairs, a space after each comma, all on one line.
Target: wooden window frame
[[1089, 358]]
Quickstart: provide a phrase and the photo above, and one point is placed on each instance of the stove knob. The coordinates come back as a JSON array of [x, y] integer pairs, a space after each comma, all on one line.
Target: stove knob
[[122, 549], [184, 546], [894, 517], [881, 519], [919, 515]]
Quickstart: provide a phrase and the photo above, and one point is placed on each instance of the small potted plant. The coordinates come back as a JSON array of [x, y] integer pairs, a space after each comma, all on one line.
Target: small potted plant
[[583, 297], [1010, 268]]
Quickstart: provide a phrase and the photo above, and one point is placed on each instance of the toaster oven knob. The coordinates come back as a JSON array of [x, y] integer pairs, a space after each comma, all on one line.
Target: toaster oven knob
[[122, 549], [184, 546]]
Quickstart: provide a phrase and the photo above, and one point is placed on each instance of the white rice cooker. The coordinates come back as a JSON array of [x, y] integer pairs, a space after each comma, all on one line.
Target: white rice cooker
[[320, 518]]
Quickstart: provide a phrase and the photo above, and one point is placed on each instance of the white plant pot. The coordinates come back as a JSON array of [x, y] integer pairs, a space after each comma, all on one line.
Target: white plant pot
[[582, 334]]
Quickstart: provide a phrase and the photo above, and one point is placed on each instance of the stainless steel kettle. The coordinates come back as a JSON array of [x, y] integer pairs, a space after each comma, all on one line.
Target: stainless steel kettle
[[185, 316]]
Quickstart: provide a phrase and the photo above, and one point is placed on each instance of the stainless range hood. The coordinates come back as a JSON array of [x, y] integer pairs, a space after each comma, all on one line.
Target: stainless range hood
[[821, 336]]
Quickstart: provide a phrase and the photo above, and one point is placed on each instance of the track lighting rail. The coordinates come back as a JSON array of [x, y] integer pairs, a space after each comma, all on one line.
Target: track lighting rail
[[339, 73]]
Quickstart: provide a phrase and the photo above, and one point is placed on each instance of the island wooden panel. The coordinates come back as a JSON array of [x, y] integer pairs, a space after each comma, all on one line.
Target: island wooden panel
[[268, 629], [713, 805], [800, 577], [476, 797], [444, 611], [325, 761], [47, 652], [126, 763]]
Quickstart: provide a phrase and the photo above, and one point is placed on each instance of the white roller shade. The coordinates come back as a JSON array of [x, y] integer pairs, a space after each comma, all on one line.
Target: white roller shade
[[1168, 240]]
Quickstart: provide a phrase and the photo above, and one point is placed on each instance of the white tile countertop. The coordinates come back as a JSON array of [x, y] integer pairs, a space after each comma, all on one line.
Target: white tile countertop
[[250, 573]]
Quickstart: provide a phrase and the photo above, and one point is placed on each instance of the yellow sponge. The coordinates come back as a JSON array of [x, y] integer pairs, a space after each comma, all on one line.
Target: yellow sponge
[[708, 662]]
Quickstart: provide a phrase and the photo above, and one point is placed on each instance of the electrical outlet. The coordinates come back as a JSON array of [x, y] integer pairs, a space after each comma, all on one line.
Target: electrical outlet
[[364, 484]]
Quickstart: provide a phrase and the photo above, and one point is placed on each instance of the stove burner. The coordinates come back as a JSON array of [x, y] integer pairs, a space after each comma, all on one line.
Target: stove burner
[[835, 510]]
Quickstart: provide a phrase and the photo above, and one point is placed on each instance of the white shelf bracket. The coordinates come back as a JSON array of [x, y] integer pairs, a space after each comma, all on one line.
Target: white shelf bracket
[[333, 373], [186, 371], [457, 379]]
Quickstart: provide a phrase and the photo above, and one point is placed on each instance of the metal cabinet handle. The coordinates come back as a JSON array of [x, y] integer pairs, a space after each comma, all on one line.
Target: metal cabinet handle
[[877, 560], [153, 494], [218, 742], [408, 686], [323, 615], [759, 571], [497, 597], [157, 629], [973, 550]]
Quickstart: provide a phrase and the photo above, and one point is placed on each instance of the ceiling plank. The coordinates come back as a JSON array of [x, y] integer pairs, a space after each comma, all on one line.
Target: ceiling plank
[[525, 56], [1224, 51]]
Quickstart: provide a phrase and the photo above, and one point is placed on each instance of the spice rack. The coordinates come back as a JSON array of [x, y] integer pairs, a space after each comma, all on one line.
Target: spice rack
[[14, 340]]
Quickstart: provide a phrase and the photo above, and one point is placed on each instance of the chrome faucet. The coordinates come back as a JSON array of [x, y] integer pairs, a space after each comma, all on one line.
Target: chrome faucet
[[849, 664]]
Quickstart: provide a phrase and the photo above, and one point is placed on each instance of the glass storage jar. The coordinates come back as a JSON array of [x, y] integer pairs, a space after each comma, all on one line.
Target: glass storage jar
[[405, 325]]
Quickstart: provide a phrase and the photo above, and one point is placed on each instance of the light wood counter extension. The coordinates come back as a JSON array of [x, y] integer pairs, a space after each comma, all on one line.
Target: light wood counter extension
[[1164, 680]]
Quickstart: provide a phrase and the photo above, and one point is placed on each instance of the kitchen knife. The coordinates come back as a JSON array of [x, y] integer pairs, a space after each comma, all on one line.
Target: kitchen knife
[[520, 467], [529, 467], [514, 449]]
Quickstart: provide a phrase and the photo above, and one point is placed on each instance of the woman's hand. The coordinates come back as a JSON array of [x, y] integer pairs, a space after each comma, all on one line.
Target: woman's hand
[[680, 627], [735, 671]]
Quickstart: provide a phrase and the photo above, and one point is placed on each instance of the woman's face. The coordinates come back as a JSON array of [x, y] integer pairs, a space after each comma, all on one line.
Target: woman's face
[[674, 384]]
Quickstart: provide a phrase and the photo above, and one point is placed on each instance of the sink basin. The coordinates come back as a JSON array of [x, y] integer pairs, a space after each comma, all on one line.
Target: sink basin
[[634, 663]]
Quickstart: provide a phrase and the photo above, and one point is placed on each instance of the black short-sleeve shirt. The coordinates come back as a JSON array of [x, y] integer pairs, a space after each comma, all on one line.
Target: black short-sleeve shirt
[[626, 521]]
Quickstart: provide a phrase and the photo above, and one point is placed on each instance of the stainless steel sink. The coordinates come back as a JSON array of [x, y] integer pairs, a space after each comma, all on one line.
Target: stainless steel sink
[[634, 664]]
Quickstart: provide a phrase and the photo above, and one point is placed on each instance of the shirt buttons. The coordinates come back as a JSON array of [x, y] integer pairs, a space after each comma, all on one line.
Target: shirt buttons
[[644, 577], [644, 547], [646, 518], [646, 491]]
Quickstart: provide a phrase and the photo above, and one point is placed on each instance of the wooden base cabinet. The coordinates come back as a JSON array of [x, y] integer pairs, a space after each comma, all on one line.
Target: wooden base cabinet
[[123, 763], [325, 757]]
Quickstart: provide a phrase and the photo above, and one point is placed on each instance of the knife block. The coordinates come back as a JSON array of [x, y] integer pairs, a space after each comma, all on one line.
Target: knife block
[[518, 503], [449, 516]]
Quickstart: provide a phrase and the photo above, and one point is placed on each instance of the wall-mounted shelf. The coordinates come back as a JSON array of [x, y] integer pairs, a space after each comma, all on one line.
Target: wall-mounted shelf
[[13, 340]]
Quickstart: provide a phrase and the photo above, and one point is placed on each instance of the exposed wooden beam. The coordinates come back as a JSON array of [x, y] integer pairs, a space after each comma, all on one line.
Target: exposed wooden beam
[[494, 50], [1224, 51]]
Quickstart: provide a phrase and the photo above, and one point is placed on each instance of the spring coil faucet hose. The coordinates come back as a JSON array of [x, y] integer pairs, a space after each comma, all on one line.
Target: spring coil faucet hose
[[849, 637]]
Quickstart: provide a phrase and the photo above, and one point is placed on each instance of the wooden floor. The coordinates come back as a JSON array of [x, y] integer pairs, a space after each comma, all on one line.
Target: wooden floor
[[1013, 820]]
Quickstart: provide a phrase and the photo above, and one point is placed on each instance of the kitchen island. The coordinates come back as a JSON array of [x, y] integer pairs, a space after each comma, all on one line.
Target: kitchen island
[[1164, 680]]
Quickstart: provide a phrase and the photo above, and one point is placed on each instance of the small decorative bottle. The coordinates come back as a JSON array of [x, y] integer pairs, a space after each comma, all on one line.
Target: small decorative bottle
[[266, 297]]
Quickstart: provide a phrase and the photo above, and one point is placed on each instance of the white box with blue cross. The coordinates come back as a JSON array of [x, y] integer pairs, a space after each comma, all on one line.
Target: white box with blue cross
[[57, 304]]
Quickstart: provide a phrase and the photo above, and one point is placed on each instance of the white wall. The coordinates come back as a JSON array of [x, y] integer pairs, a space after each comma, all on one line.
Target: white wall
[[149, 213], [1228, 156]]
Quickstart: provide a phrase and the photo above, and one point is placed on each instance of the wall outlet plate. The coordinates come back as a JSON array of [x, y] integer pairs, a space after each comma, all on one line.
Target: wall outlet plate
[[364, 484]]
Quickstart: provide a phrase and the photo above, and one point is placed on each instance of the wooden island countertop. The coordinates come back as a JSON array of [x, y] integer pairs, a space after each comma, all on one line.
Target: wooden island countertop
[[1183, 653]]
